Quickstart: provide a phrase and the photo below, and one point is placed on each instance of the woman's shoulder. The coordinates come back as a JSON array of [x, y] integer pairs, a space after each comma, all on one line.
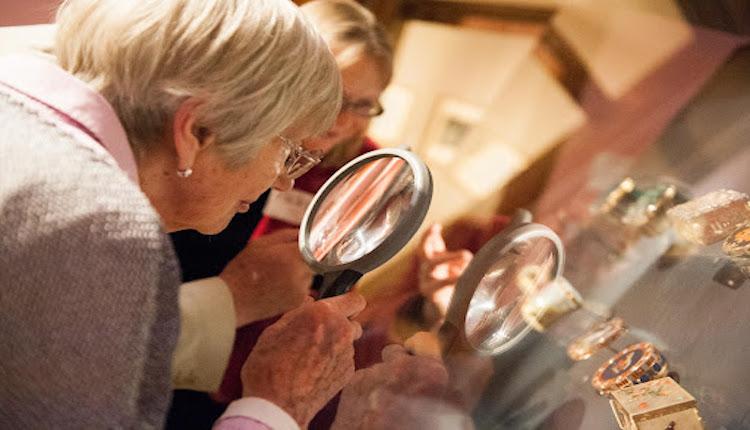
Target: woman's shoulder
[[58, 183]]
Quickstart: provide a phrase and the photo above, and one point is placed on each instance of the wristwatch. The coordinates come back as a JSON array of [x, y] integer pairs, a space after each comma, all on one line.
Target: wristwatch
[[640, 362]]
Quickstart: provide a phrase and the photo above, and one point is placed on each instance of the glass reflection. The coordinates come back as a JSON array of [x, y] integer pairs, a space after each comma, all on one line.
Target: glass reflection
[[494, 315], [362, 211]]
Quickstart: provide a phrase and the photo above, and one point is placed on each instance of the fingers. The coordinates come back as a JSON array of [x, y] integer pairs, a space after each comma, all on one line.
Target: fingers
[[356, 330], [349, 304], [432, 241], [393, 351], [450, 269], [443, 270], [462, 256], [442, 299], [428, 288]]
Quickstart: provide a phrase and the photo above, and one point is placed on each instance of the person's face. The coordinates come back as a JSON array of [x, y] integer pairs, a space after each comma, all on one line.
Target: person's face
[[214, 193], [363, 82]]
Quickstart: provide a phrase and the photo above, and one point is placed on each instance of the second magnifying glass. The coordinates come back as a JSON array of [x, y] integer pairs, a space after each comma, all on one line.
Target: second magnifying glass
[[490, 306]]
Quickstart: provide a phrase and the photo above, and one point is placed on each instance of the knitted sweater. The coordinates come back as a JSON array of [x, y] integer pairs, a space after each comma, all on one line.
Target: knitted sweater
[[88, 283]]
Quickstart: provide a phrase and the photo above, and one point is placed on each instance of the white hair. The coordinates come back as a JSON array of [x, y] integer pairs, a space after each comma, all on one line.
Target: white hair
[[257, 66], [351, 31]]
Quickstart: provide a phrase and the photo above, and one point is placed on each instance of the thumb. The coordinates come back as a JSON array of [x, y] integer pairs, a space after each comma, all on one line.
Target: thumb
[[349, 304]]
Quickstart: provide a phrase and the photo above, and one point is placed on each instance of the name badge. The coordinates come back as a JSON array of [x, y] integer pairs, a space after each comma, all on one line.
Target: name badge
[[288, 206]]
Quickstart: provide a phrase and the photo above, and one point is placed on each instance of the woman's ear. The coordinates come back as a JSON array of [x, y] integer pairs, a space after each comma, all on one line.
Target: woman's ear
[[188, 137]]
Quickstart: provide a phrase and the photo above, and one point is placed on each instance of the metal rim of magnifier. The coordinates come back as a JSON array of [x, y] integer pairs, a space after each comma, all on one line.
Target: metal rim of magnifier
[[487, 256], [401, 234]]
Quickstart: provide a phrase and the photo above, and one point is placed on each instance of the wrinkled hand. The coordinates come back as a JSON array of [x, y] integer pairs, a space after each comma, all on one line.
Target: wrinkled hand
[[470, 373], [403, 392], [304, 359], [439, 269], [269, 277]]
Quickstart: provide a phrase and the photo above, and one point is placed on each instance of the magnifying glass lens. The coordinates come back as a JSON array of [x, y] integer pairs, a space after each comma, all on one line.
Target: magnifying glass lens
[[361, 211]]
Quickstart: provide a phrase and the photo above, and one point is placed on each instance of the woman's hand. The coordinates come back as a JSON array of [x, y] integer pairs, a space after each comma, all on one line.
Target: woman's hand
[[304, 359], [268, 277], [403, 392], [439, 269]]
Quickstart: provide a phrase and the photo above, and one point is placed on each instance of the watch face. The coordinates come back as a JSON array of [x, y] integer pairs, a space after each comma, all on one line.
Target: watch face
[[595, 339], [635, 364], [622, 363]]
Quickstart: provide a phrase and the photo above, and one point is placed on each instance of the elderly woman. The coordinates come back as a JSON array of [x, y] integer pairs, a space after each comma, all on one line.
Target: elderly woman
[[161, 116], [364, 56]]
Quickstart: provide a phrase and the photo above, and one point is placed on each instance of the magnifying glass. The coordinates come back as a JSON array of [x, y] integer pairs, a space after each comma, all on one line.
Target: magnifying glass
[[363, 215], [487, 311]]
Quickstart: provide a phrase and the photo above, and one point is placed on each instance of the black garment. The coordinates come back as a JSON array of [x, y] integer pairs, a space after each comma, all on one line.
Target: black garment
[[203, 257], [192, 410]]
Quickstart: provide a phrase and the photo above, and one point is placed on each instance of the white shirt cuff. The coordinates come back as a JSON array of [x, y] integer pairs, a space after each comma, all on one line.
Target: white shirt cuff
[[207, 327], [262, 410]]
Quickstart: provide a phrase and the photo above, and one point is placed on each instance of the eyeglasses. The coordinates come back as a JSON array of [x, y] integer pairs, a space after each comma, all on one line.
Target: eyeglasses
[[365, 108], [299, 160]]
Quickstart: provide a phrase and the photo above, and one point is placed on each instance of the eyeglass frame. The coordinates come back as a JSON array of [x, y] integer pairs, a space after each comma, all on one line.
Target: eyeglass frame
[[298, 160], [375, 108]]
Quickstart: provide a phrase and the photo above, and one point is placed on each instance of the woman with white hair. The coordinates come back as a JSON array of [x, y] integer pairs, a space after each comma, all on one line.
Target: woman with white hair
[[280, 282], [364, 56], [159, 116]]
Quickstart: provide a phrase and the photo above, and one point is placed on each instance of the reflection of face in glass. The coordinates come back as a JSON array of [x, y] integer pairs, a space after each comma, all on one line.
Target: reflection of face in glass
[[494, 314], [362, 211]]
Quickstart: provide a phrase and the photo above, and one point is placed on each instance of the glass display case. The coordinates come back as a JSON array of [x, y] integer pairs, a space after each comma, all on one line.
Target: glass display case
[[686, 300]]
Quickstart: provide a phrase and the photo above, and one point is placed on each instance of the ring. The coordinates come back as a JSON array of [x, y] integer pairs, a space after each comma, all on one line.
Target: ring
[[595, 339]]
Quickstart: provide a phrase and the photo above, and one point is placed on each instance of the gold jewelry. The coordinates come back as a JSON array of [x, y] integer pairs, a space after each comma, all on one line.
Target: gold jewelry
[[640, 362]]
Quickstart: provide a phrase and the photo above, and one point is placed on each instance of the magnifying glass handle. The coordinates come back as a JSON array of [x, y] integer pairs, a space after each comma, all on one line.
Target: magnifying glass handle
[[339, 284]]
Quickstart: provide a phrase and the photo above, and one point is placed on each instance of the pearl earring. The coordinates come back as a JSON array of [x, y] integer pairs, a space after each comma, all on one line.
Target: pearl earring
[[184, 173]]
